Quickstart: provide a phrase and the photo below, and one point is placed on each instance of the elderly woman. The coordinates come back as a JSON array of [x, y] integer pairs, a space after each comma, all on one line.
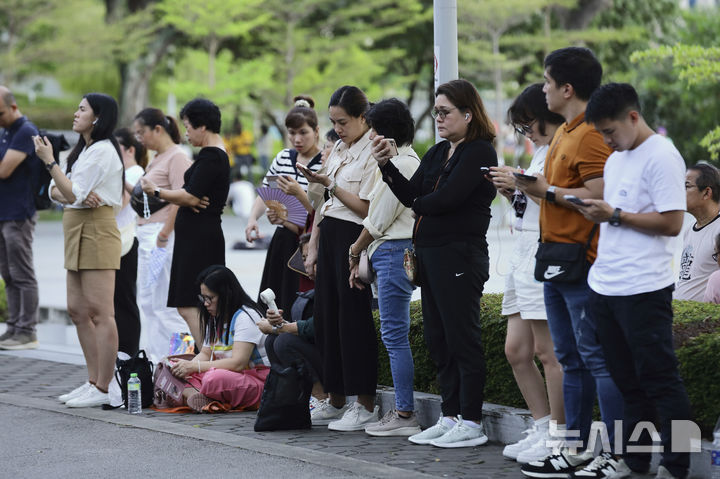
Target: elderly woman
[[233, 345], [90, 189], [386, 234], [451, 198], [199, 239]]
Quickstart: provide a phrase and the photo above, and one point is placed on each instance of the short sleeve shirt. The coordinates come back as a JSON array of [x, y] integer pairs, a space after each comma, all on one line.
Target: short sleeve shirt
[[16, 193], [577, 154], [209, 176], [243, 328], [166, 170], [353, 169]]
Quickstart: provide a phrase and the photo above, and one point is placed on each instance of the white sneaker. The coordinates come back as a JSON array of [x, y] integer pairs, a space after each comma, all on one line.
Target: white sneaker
[[606, 465], [355, 418], [91, 398], [323, 413], [511, 451], [536, 452], [461, 435], [77, 392], [431, 433]]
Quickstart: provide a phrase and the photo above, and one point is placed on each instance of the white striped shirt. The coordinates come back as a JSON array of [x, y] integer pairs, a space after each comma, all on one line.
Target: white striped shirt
[[283, 165]]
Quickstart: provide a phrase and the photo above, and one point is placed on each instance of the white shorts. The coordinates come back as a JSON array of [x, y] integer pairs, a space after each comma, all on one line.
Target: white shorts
[[523, 293]]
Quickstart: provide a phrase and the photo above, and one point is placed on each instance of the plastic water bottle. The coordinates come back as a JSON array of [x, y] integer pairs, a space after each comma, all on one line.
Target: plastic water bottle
[[715, 453], [134, 395]]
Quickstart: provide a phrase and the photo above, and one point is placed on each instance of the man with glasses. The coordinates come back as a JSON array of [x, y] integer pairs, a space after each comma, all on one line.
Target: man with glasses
[[702, 190]]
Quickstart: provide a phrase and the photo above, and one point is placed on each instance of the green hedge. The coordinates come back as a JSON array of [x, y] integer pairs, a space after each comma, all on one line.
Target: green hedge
[[3, 302], [697, 338]]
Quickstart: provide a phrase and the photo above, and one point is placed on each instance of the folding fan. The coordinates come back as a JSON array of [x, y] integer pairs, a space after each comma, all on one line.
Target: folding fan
[[287, 207]]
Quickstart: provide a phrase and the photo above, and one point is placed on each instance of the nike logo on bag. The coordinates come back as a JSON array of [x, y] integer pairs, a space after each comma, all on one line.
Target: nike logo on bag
[[459, 274], [553, 271]]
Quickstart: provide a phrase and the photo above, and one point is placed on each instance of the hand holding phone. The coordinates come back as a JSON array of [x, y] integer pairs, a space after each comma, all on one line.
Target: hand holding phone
[[524, 177], [393, 146], [575, 200]]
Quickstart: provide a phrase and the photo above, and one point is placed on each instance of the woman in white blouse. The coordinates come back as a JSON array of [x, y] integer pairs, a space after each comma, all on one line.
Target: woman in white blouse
[[344, 328], [90, 189]]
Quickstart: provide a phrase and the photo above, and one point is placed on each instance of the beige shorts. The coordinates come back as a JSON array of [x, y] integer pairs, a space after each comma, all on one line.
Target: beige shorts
[[92, 238], [523, 293]]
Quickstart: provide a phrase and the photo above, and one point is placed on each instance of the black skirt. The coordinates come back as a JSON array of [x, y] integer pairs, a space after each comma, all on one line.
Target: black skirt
[[276, 274]]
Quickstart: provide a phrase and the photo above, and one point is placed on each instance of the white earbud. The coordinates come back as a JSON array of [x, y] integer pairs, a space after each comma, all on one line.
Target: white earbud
[[467, 116], [94, 121]]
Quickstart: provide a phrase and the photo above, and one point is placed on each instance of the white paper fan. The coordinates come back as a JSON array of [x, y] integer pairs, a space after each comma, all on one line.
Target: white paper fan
[[285, 206]]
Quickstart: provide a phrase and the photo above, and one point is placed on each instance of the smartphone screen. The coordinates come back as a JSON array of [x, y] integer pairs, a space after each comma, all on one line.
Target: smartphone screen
[[272, 181], [393, 147], [574, 200], [524, 177]]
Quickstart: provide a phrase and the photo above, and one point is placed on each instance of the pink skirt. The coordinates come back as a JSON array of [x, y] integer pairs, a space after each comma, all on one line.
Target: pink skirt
[[239, 389]]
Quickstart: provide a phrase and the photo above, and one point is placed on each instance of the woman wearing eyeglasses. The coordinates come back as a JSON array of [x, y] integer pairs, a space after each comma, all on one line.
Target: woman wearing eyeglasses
[[528, 334], [233, 345], [451, 198]]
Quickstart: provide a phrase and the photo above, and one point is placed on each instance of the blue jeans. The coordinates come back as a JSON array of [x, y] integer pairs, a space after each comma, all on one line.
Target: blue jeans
[[577, 349], [394, 292]]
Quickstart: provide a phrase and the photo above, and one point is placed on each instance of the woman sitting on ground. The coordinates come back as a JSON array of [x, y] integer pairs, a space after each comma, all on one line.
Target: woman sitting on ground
[[233, 347]]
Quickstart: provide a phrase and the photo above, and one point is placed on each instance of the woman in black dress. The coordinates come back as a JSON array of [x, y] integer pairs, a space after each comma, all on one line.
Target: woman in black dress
[[199, 240]]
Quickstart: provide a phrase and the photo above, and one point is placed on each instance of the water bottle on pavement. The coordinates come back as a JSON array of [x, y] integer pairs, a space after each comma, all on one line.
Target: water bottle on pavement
[[715, 453], [134, 395]]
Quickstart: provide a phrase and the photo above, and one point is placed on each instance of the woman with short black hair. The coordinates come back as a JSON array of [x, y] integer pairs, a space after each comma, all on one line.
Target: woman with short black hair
[[199, 239]]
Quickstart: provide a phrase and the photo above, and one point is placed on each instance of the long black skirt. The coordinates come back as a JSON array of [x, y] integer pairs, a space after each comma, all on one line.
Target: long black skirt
[[276, 274]]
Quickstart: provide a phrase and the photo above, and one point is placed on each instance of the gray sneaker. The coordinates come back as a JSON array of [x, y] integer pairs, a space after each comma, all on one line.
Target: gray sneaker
[[392, 424], [6, 335], [20, 341]]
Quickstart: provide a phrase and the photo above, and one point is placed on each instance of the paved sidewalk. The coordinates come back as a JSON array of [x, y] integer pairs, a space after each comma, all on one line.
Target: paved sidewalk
[[33, 383]]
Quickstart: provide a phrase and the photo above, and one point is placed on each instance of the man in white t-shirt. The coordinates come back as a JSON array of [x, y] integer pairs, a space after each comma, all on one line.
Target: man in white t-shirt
[[632, 278], [702, 186]]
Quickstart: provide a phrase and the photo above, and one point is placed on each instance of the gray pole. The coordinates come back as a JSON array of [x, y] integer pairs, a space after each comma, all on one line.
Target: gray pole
[[446, 50]]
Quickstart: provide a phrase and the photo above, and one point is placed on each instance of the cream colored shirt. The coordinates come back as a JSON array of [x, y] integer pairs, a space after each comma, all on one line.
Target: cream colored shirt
[[387, 218], [353, 169], [99, 169]]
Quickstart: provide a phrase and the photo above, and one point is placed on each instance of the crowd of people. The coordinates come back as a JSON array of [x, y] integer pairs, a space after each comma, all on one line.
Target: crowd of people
[[591, 300]]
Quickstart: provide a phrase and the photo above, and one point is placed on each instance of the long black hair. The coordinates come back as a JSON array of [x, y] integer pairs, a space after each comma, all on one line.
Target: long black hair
[[105, 109], [231, 297]]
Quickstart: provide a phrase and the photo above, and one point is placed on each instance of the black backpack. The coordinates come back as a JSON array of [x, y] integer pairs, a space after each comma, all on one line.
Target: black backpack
[[141, 365], [41, 177], [285, 399]]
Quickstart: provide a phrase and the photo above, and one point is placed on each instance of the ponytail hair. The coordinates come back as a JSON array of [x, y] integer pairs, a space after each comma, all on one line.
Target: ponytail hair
[[152, 117]]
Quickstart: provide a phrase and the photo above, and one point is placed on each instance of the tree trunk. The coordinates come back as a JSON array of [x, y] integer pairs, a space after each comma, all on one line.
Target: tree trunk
[[580, 17], [497, 80], [213, 45], [289, 60]]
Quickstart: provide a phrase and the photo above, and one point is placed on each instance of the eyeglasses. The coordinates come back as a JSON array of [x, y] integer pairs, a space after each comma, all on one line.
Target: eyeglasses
[[525, 129], [441, 114], [206, 299], [690, 187], [715, 256]]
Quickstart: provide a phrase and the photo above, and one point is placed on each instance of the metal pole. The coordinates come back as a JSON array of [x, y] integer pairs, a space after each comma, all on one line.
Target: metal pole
[[446, 49]]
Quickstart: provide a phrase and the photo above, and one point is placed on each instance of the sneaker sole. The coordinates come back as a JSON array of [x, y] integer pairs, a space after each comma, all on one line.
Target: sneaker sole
[[93, 404], [18, 347], [479, 441], [401, 431], [343, 428], [547, 475]]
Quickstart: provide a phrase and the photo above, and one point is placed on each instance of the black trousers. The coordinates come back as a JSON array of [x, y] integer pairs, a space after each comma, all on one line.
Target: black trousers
[[344, 328], [127, 315], [283, 349], [453, 277], [276, 274], [635, 333]]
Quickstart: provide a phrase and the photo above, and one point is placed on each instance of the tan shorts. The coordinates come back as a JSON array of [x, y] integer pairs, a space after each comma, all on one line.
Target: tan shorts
[[92, 239]]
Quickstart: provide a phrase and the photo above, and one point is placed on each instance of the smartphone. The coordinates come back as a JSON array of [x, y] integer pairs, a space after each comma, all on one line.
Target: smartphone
[[272, 181], [575, 200], [524, 177], [484, 170], [393, 146]]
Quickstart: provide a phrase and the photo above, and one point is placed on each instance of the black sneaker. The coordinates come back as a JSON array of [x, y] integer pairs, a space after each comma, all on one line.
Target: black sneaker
[[559, 465], [605, 465]]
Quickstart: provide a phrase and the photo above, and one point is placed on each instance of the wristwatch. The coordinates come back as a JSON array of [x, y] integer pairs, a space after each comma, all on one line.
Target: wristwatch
[[157, 193], [49, 166], [550, 194], [615, 218]]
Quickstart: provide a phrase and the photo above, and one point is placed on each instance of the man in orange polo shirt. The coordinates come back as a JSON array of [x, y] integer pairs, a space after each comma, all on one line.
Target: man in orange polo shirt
[[574, 166]]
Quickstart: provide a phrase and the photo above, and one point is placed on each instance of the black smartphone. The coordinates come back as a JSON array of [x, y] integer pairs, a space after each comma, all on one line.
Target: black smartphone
[[575, 200], [524, 177]]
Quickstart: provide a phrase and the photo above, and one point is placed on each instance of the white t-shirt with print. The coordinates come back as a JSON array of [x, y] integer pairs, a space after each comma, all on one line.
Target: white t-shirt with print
[[530, 220], [243, 328], [649, 178], [696, 263]]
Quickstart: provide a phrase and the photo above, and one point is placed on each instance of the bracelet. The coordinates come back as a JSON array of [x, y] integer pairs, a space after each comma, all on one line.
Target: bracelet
[[331, 189], [162, 238], [353, 256], [49, 166]]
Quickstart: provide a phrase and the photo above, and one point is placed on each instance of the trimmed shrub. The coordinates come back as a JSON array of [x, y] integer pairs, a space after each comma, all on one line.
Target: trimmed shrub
[[696, 333], [3, 302]]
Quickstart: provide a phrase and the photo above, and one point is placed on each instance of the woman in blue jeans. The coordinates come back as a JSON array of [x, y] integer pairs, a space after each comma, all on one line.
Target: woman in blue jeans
[[387, 232]]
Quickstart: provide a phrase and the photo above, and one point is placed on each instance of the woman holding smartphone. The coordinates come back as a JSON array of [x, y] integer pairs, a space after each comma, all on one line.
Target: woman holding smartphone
[[302, 125], [90, 190], [344, 328], [528, 334], [451, 200]]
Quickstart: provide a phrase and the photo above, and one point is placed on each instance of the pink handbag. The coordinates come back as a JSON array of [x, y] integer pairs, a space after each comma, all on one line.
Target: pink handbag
[[366, 273]]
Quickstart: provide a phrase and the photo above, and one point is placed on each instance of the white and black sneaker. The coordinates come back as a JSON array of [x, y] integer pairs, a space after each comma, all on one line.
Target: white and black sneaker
[[559, 465], [606, 465]]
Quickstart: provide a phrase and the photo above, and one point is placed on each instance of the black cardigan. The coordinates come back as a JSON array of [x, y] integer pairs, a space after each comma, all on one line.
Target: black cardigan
[[459, 209]]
